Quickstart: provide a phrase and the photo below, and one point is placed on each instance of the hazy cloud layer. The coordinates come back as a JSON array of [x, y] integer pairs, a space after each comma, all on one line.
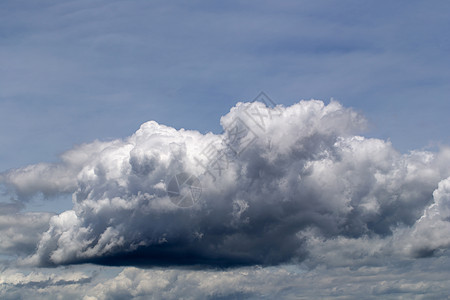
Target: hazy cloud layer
[[423, 279], [20, 232], [288, 183], [17, 284]]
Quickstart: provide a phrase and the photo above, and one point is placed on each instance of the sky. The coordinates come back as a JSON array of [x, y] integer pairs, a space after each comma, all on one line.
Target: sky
[[139, 158]]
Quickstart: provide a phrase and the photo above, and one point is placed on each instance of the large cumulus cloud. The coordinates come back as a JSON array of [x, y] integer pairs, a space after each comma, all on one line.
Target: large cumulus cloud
[[283, 182]]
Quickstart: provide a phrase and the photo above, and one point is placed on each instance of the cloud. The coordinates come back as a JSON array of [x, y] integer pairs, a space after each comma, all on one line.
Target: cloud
[[278, 186], [36, 279], [17, 284], [20, 232], [423, 279], [430, 233], [52, 179], [285, 282]]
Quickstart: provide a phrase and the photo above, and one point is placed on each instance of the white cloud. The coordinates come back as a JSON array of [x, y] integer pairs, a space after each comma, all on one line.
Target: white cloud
[[431, 232], [424, 279], [17, 284], [300, 181]]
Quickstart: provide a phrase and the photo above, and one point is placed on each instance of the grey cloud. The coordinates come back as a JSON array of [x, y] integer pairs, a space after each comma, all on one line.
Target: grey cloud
[[430, 234], [52, 179], [17, 284], [299, 178], [11, 207], [423, 279], [285, 282], [20, 232]]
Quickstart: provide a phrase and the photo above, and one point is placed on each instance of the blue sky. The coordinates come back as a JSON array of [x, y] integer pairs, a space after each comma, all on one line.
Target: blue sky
[[349, 216], [75, 71]]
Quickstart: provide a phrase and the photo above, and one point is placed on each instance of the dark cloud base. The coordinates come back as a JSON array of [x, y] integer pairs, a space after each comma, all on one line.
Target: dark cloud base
[[173, 257]]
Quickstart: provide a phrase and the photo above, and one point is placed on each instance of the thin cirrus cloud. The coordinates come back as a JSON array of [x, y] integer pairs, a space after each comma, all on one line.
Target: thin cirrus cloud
[[298, 186]]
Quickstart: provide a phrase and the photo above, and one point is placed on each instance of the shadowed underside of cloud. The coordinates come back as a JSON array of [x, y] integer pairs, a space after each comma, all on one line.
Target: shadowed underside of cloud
[[284, 185]]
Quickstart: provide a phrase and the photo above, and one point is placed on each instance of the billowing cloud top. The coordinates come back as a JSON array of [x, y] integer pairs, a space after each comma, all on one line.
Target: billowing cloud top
[[281, 184]]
